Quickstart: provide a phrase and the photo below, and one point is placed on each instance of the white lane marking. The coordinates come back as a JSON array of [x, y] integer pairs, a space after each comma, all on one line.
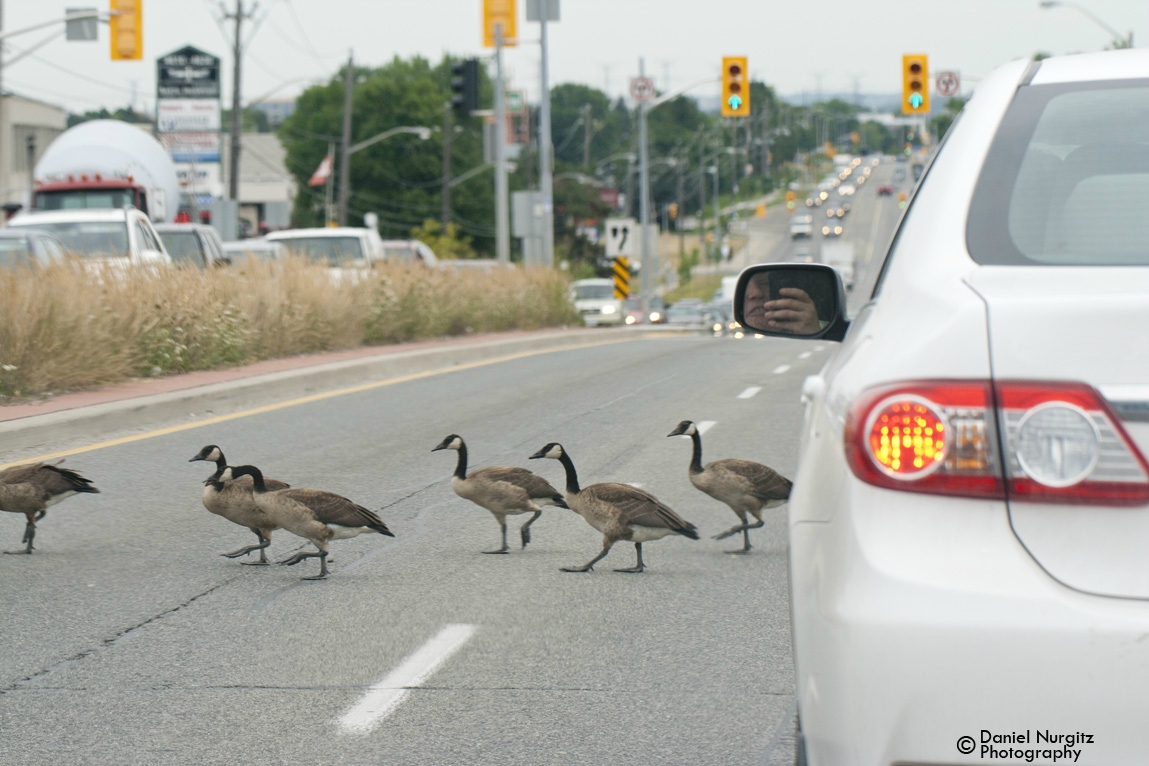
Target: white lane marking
[[704, 426], [386, 695], [749, 392], [781, 369], [805, 354], [819, 348]]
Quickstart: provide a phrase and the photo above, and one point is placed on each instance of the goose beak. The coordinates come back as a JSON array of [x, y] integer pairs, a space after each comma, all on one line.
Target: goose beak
[[539, 454], [676, 432], [439, 447], [195, 459]]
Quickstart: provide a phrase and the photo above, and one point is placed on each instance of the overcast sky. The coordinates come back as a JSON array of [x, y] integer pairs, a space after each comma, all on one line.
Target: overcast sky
[[794, 45]]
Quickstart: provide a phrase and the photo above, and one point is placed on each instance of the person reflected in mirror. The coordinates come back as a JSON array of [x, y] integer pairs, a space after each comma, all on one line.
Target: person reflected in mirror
[[789, 310]]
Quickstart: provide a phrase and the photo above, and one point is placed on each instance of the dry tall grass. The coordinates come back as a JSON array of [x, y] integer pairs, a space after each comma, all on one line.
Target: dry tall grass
[[66, 327]]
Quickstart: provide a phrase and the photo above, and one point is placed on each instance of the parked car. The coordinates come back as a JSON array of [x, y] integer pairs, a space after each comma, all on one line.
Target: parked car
[[968, 520], [257, 247], [342, 246], [29, 247], [411, 251], [594, 299], [116, 236], [194, 243]]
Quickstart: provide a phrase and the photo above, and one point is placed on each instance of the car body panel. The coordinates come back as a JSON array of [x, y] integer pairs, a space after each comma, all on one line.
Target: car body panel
[[140, 252]]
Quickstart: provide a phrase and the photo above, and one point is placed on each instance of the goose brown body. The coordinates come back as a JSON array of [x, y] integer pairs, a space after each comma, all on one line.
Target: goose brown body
[[32, 489], [313, 514], [618, 511], [502, 490], [745, 486]]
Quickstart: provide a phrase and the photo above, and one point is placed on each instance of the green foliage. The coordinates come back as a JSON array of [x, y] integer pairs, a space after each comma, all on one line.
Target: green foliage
[[449, 244], [689, 261], [254, 121], [942, 122], [702, 287], [124, 114]]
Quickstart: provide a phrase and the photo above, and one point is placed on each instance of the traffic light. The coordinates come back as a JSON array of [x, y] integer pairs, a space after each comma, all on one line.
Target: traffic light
[[791, 200], [673, 209], [915, 83], [127, 30], [735, 87], [465, 86]]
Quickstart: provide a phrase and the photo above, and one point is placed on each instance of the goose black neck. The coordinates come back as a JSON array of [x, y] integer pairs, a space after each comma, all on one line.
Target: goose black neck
[[696, 458], [256, 477], [572, 476], [461, 466]]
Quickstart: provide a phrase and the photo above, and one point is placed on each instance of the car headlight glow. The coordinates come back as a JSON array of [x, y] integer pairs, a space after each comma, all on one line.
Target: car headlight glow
[[630, 320], [655, 316], [608, 309]]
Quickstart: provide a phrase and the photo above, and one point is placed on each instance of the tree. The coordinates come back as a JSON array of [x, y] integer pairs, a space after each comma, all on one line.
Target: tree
[[124, 114], [449, 244]]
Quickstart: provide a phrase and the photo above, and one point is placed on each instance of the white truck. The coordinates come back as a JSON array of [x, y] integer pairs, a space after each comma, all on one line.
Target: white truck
[[840, 255], [594, 299], [107, 164]]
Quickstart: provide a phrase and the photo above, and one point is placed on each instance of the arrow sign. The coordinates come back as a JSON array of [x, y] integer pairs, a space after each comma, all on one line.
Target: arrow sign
[[735, 102], [916, 100]]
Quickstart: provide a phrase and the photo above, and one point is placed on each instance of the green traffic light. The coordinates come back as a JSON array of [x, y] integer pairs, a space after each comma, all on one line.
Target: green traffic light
[[916, 100], [735, 102]]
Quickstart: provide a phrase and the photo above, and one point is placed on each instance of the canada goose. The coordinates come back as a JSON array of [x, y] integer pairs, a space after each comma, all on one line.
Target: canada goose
[[619, 511], [502, 490], [31, 489], [312, 514], [234, 502], [747, 487]]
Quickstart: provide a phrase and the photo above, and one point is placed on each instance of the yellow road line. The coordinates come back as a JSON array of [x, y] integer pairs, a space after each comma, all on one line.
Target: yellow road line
[[306, 400]]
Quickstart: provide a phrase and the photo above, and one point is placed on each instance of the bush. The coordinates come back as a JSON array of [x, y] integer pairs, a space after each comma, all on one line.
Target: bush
[[66, 328]]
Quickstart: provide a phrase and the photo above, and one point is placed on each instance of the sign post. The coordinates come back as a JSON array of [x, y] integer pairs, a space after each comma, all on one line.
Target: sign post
[[188, 120]]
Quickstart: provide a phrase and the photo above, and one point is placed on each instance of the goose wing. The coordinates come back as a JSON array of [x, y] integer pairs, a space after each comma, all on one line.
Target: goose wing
[[536, 486], [330, 508], [639, 508], [760, 481], [49, 478], [247, 483]]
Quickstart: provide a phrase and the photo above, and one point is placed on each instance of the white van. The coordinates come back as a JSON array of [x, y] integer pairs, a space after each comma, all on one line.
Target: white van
[[594, 299]]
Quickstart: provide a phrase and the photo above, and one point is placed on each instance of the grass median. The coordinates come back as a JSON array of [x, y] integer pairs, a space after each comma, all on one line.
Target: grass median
[[68, 328]]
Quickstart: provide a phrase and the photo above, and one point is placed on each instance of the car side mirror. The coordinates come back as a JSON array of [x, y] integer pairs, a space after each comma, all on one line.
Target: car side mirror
[[792, 300]]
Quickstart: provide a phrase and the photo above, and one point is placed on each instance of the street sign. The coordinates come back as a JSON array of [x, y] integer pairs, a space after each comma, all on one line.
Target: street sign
[[621, 236], [515, 100], [641, 89], [536, 9], [499, 12], [948, 83], [621, 275], [187, 73]]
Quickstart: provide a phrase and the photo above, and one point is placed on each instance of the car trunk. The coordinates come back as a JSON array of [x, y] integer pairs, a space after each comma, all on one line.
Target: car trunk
[[1086, 325]]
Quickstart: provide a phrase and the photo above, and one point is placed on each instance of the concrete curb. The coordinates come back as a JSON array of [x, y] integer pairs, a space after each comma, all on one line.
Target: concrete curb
[[138, 413]]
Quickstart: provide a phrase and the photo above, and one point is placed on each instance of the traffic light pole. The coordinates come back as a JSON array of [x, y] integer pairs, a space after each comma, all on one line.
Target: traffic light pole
[[502, 222], [546, 153], [345, 154], [236, 108]]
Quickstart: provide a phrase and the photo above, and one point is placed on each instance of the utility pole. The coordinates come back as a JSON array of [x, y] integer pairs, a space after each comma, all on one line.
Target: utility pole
[[702, 199], [546, 151], [448, 127], [236, 110], [644, 199], [586, 134], [502, 222], [681, 213], [4, 133], [345, 151]]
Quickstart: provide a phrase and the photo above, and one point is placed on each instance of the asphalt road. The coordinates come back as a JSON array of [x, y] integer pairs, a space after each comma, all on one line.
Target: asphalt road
[[127, 638]]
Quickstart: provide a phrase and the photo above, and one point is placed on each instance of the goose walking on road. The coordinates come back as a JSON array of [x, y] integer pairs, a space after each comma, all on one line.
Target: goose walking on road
[[747, 487], [619, 511], [312, 514], [233, 500], [502, 490], [32, 489]]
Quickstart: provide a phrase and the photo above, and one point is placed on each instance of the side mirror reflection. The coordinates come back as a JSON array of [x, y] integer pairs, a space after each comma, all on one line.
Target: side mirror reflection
[[795, 300]]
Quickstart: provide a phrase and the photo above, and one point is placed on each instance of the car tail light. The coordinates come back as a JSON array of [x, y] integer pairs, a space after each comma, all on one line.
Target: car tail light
[[930, 436], [1066, 446], [1063, 443]]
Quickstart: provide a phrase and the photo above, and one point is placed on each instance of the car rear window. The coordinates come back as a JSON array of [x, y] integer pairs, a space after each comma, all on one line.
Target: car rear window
[[183, 247], [1066, 179], [334, 251]]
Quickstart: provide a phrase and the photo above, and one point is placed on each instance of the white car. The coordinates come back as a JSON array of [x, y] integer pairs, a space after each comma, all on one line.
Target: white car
[[594, 299], [970, 515], [193, 243], [801, 225], [409, 251], [339, 247], [123, 236]]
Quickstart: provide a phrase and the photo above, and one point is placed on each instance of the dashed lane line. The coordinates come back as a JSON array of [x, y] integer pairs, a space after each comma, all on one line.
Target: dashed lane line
[[781, 369], [805, 355], [748, 393], [385, 696]]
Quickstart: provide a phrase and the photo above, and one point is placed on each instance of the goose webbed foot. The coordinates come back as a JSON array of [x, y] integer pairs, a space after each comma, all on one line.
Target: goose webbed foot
[[638, 566], [291, 561], [589, 566], [525, 532], [505, 548], [322, 568], [29, 535], [500, 550]]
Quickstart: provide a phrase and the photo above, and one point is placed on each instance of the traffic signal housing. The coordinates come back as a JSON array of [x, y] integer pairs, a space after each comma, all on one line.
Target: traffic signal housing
[[735, 87], [915, 83], [127, 29], [465, 86]]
